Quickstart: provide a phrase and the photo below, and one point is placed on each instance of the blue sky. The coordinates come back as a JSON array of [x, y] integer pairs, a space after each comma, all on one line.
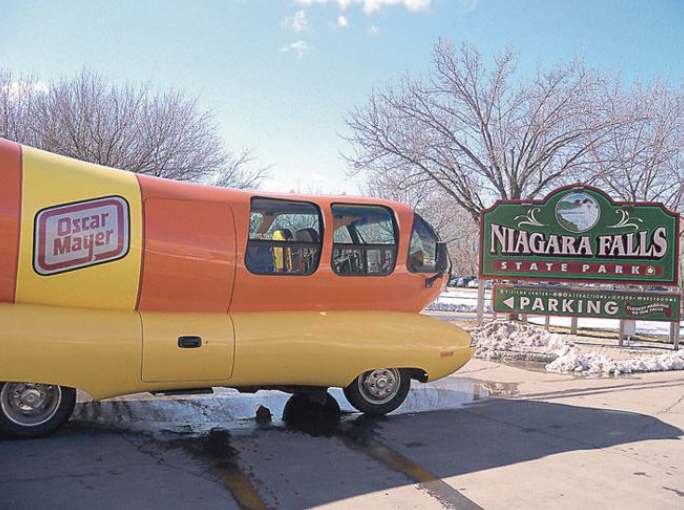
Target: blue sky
[[281, 81]]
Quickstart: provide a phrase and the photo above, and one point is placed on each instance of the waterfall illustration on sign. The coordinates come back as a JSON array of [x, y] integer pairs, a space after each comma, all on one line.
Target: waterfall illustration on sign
[[577, 212]]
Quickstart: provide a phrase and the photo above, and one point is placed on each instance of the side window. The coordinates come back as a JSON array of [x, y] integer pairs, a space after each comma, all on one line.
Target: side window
[[422, 257], [285, 237], [364, 240]]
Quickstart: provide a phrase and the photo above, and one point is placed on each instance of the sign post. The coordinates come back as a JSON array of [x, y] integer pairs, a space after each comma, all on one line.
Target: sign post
[[480, 301], [675, 334]]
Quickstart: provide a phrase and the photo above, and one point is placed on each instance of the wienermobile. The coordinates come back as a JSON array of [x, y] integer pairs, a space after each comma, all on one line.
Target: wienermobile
[[115, 283]]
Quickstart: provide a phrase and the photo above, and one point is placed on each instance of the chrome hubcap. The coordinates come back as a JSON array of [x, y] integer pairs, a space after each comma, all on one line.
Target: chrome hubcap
[[379, 386], [29, 404]]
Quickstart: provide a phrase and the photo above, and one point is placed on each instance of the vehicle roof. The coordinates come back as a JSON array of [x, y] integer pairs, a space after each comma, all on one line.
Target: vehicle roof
[[198, 189]]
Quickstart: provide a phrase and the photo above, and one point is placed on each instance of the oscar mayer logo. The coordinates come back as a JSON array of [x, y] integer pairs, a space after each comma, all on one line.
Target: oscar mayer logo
[[82, 234]]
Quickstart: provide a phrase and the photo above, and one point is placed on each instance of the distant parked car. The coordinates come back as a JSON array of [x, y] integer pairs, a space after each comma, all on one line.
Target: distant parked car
[[463, 281], [453, 281], [473, 283]]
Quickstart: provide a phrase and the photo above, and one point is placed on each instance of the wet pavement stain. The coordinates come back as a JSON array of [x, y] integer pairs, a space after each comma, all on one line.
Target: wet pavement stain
[[334, 418], [225, 466], [223, 461], [676, 491], [532, 366], [362, 436], [360, 433], [427, 481]]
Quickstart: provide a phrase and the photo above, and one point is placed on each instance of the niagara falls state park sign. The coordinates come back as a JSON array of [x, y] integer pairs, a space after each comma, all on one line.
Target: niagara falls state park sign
[[576, 234]]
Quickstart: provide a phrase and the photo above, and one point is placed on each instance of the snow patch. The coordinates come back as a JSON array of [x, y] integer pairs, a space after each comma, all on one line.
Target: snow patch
[[588, 363], [454, 307], [495, 338]]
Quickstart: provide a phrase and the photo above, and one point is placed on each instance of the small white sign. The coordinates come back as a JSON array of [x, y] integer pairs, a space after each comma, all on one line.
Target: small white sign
[[629, 328]]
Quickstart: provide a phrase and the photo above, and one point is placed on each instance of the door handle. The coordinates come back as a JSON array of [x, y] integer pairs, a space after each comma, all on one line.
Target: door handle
[[189, 342]]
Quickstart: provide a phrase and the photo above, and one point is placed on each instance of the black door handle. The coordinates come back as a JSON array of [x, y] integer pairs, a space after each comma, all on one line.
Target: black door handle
[[189, 342]]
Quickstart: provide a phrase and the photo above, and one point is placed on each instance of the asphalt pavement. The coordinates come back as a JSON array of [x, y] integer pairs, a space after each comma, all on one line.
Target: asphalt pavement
[[492, 437]]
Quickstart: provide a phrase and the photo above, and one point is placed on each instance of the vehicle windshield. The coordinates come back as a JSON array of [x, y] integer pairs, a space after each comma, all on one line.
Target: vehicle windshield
[[422, 256]]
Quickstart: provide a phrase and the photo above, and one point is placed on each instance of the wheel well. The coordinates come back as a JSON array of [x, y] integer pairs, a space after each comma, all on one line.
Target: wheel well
[[83, 396], [418, 374]]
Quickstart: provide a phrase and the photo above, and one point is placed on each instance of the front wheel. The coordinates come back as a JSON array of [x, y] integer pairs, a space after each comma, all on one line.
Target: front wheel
[[379, 391], [32, 410]]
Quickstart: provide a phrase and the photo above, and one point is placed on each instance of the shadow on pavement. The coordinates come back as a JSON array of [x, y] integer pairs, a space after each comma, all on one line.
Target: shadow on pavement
[[315, 455]]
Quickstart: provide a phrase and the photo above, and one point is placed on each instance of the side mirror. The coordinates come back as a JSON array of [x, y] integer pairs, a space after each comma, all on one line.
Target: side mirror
[[443, 262], [442, 265]]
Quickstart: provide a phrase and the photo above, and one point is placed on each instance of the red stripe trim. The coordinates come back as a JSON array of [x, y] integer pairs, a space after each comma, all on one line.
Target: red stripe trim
[[10, 217], [142, 241], [20, 196]]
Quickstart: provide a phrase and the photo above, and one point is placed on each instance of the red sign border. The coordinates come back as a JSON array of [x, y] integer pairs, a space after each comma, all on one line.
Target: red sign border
[[39, 233], [543, 201]]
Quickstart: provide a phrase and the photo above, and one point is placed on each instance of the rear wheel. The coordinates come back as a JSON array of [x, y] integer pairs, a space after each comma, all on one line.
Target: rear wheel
[[33, 410], [379, 391]]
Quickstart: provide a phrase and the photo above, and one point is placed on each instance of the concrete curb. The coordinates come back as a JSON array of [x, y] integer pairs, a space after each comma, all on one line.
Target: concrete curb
[[221, 407]]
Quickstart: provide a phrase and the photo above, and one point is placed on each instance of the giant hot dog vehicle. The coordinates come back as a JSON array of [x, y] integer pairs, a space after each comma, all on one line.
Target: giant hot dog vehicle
[[113, 283]]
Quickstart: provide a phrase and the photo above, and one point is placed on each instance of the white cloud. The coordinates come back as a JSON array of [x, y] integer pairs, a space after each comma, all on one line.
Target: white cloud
[[342, 22], [16, 89], [297, 23], [370, 6], [373, 29], [299, 48], [468, 5]]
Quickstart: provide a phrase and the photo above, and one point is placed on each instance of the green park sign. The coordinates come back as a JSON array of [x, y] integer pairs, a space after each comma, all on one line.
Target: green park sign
[[586, 303], [579, 234]]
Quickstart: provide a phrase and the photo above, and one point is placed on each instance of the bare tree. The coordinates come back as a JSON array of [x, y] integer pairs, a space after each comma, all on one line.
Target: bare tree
[[644, 159], [240, 172], [128, 127], [16, 102], [476, 134]]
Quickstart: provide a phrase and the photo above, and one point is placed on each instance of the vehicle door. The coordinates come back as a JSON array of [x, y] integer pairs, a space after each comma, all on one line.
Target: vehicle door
[[187, 282]]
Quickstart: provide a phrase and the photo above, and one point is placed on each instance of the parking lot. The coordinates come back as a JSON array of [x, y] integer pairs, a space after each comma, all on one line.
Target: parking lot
[[493, 437]]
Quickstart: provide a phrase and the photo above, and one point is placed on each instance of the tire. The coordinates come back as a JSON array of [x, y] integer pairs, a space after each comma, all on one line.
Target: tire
[[30, 410], [379, 391], [314, 418]]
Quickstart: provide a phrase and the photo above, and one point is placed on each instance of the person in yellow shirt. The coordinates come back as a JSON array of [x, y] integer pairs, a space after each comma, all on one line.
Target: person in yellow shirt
[[282, 257]]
